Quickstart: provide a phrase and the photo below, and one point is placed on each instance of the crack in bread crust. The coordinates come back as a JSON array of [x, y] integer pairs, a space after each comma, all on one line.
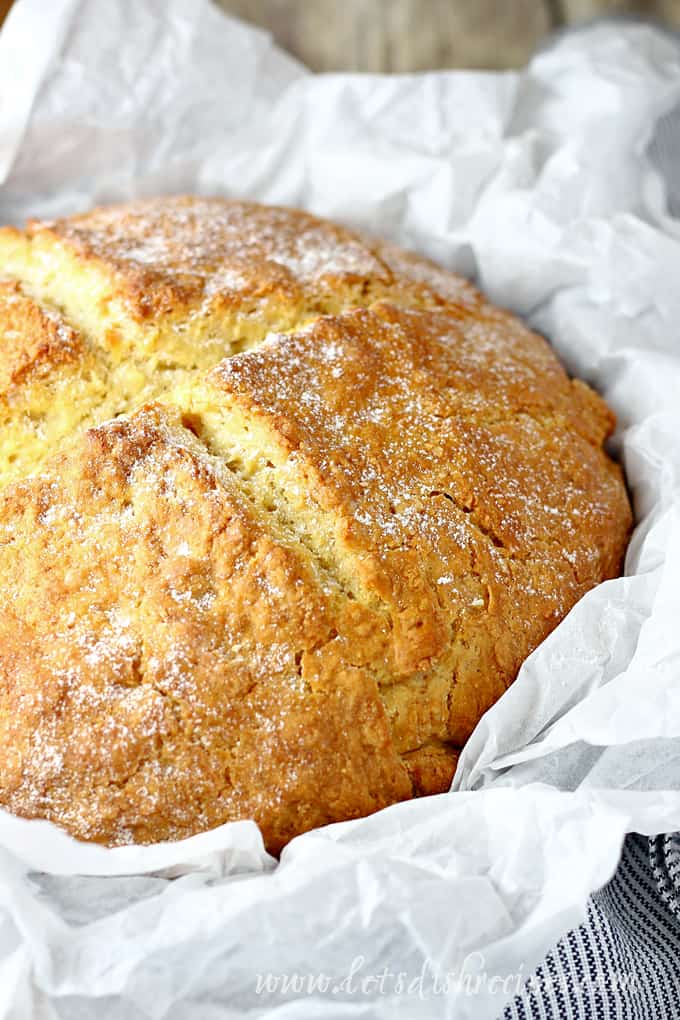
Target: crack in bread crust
[[286, 584], [159, 291]]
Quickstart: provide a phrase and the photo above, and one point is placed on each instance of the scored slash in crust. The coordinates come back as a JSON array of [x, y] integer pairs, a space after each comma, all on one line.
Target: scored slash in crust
[[346, 498]]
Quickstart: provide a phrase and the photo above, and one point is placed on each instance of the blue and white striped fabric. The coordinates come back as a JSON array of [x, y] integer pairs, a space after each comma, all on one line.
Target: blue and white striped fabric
[[623, 963]]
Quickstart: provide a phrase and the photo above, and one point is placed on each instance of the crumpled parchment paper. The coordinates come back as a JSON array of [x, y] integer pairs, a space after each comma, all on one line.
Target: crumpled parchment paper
[[540, 185]]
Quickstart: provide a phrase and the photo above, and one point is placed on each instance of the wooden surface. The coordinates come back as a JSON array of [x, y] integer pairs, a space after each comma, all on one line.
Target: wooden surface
[[413, 35], [398, 35]]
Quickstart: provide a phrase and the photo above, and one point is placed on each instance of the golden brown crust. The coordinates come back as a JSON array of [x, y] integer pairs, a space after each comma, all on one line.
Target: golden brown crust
[[192, 672], [169, 252], [289, 587], [447, 454], [160, 288], [430, 768], [50, 380], [33, 340]]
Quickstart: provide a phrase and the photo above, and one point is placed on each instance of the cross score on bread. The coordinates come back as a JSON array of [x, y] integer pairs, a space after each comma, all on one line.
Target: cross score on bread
[[284, 510]]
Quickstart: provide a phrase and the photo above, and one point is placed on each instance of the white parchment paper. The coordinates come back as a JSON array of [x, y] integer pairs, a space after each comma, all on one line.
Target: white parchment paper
[[540, 185]]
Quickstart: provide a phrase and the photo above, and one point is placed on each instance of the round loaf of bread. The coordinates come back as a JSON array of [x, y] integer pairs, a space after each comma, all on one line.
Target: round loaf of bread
[[283, 511]]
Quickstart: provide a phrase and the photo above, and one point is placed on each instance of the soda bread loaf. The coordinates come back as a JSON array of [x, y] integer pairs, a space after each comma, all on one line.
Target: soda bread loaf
[[283, 511]]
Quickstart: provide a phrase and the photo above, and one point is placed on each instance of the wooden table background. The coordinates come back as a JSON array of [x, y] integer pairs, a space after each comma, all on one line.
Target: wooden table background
[[413, 35]]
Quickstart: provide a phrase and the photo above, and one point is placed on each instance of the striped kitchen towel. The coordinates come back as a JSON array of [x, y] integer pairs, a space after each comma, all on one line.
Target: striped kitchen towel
[[623, 962]]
